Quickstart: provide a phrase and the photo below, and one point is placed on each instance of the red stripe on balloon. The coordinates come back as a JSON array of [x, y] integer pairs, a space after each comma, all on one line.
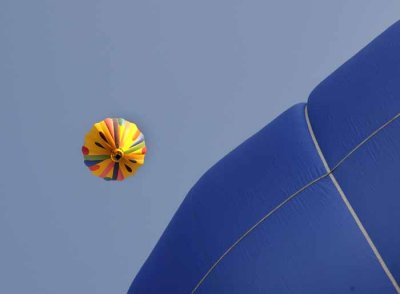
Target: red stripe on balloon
[[85, 150], [94, 167]]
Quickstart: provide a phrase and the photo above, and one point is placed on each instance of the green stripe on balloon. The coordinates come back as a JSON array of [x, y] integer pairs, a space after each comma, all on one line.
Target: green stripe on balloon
[[134, 148], [96, 157]]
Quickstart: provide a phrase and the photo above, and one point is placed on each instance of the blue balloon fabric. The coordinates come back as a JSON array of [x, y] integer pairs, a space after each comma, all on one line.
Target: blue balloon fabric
[[309, 204]]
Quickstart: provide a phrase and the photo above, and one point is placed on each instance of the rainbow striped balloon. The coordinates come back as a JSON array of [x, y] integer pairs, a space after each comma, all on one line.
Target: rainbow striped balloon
[[114, 149]]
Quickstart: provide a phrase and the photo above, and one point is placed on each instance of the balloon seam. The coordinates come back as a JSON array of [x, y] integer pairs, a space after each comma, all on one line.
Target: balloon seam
[[329, 172], [343, 195]]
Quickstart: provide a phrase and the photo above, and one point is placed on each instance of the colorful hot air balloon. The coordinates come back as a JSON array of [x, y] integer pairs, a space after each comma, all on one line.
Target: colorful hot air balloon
[[114, 149], [309, 204]]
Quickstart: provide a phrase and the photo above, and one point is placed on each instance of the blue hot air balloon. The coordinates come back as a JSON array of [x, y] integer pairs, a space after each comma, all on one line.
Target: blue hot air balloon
[[309, 204]]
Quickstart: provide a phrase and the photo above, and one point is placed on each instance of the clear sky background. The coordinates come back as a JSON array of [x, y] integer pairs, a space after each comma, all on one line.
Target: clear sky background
[[198, 77]]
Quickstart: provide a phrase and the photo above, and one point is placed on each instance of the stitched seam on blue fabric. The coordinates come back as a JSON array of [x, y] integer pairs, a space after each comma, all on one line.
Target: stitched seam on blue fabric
[[296, 193], [345, 199]]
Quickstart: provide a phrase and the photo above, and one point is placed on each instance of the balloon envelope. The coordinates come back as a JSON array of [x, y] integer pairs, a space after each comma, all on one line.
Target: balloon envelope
[[114, 149], [309, 204]]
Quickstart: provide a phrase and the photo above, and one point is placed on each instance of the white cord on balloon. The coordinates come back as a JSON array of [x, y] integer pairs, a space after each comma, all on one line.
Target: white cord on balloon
[[329, 173]]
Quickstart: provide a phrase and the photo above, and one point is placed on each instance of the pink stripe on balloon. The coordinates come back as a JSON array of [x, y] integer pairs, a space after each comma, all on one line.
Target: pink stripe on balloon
[[110, 127], [107, 170], [120, 176]]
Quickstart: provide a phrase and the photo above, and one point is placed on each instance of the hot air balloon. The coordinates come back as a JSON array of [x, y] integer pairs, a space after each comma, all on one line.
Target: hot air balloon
[[114, 149], [309, 204]]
